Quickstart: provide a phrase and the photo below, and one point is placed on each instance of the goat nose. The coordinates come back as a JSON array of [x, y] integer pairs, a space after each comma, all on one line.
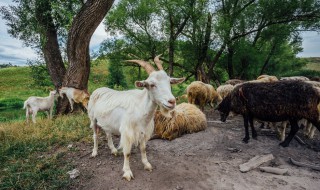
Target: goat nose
[[172, 101]]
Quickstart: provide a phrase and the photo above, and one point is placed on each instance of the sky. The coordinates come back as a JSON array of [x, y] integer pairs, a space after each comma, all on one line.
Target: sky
[[13, 51]]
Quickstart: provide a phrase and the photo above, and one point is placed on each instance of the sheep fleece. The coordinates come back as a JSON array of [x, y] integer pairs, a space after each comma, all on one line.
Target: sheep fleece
[[186, 118]]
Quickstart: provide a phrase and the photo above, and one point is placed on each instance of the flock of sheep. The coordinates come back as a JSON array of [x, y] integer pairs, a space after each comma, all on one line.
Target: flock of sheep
[[134, 114]]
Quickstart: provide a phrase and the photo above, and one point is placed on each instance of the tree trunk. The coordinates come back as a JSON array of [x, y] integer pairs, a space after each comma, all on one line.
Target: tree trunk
[[83, 26], [268, 58], [230, 64], [50, 49]]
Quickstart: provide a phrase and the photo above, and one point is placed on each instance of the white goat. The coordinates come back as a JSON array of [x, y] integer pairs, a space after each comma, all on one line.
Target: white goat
[[34, 104], [131, 113], [75, 95]]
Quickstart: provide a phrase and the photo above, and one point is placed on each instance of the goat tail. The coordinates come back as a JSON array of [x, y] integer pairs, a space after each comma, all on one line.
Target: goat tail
[[25, 104]]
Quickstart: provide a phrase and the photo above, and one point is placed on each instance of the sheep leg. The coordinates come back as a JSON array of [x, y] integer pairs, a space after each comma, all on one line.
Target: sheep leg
[[113, 149], [246, 127], [311, 133], [126, 145], [316, 124], [292, 133], [147, 165], [253, 130], [94, 127]]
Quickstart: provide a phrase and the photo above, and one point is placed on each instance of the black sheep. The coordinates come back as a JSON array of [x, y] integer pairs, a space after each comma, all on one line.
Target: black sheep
[[274, 102]]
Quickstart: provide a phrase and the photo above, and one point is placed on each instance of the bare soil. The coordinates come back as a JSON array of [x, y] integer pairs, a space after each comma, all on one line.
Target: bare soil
[[208, 159]]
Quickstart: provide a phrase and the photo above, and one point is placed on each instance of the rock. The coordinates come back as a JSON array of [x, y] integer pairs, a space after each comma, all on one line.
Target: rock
[[74, 173], [255, 162]]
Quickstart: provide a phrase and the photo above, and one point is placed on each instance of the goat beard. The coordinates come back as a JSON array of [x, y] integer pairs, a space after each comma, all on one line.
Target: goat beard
[[165, 112]]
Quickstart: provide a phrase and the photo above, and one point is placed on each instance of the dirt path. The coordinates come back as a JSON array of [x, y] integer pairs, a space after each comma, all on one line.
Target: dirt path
[[202, 161]]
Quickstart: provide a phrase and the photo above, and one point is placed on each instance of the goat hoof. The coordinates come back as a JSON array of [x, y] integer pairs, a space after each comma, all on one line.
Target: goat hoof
[[94, 154], [148, 167], [128, 175], [255, 138]]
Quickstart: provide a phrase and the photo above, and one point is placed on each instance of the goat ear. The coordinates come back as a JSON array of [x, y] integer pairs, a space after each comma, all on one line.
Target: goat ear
[[141, 84], [176, 80]]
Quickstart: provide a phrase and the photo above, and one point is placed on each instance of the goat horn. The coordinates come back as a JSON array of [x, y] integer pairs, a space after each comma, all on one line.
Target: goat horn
[[158, 62], [143, 64]]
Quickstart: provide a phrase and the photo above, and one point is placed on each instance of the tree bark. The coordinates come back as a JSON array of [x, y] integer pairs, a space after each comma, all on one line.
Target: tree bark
[[230, 64]]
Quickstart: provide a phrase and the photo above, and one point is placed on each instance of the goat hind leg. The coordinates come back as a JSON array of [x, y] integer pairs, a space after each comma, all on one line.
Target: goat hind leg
[[253, 130], [113, 149], [94, 127]]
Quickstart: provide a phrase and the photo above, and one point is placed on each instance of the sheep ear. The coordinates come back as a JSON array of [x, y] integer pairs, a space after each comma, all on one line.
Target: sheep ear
[[141, 84], [176, 80]]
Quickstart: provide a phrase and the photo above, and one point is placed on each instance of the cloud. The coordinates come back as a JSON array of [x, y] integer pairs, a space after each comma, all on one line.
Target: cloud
[[310, 44]]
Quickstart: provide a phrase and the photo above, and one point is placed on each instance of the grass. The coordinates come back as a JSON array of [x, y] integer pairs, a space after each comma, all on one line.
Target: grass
[[35, 156], [314, 63]]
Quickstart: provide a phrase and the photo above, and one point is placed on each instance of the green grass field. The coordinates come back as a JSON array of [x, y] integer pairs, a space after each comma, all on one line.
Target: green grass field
[[314, 63]]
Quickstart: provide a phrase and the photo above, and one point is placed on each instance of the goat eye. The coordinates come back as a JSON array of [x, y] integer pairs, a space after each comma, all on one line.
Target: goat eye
[[152, 85]]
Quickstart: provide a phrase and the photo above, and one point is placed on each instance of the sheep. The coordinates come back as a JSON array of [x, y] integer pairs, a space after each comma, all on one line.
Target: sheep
[[34, 104], [266, 78], [224, 90], [182, 98], [200, 94], [186, 118], [299, 78], [234, 81], [131, 113], [75, 95], [274, 102]]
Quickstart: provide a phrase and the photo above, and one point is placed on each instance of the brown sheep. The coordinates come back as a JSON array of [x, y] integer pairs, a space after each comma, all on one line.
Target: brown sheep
[[186, 118], [234, 81], [200, 94]]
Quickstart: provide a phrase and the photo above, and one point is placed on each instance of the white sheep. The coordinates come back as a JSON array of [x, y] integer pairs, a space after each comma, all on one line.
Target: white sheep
[[75, 95], [131, 113], [34, 104]]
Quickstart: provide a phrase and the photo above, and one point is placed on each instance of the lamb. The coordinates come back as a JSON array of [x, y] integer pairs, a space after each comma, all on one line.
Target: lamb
[[268, 102], [200, 94], [131, 113], [75, 95], [34, 104], [186, 118]]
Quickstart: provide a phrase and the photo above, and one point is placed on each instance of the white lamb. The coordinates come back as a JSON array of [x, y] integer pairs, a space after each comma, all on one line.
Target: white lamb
[[34, 104], [131, 113]]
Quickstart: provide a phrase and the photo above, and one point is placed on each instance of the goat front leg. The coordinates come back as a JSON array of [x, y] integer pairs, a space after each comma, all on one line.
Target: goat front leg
[[126, 145], [71, 103], [147, 165]]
